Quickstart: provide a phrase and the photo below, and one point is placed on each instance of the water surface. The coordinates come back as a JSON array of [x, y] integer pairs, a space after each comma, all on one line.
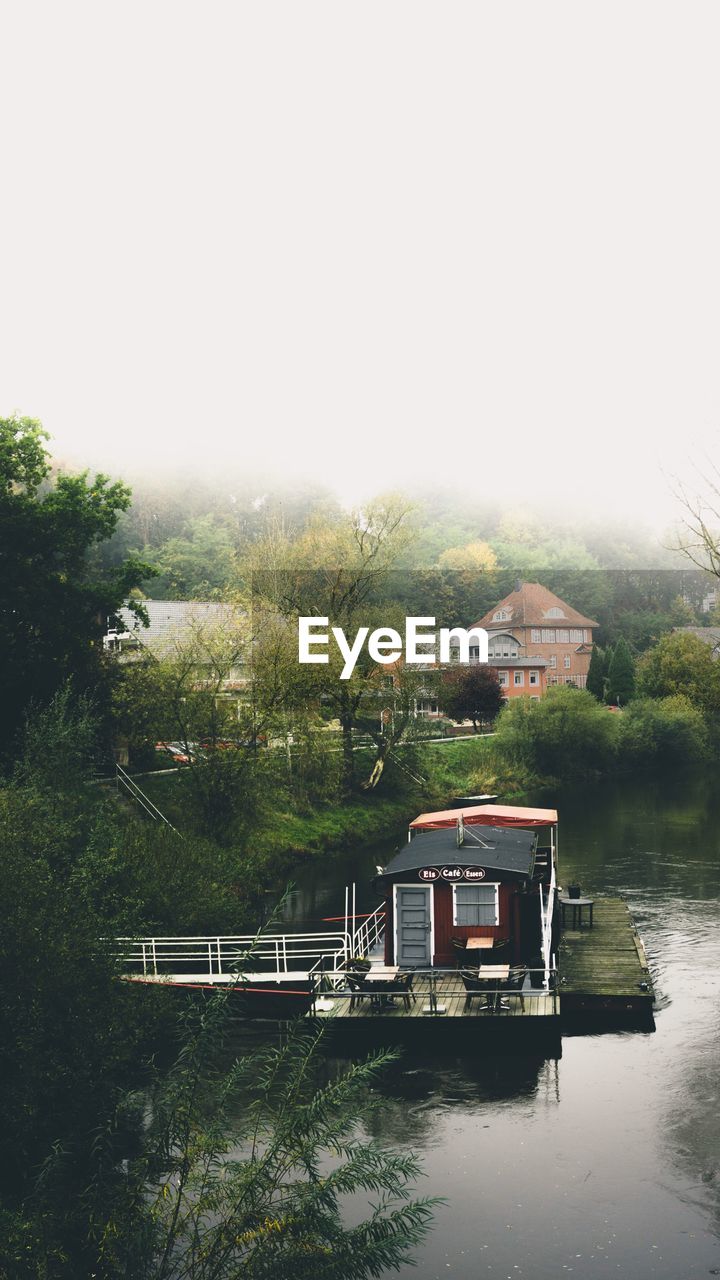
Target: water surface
[[605, 1162]]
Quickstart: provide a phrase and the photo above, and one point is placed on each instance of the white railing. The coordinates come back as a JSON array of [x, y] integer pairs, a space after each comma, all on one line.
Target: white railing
[[274, 954], [370, 933], [546, 918]]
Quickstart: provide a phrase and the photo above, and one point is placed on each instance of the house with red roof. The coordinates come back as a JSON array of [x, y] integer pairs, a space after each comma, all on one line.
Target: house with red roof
[[533, 633]]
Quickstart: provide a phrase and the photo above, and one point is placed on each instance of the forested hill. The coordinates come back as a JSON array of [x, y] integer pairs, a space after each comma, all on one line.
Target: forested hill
[[463, 551]]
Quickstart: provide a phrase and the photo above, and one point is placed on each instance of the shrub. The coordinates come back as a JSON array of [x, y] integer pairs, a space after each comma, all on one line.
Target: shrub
[[661, 730], [566, 735]]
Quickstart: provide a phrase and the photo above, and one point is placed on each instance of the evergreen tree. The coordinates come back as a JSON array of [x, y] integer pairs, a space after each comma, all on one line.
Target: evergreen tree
[[597, 673], [621, 675]]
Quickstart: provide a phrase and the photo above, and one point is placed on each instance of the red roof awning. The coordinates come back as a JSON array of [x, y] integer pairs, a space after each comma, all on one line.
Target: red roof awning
[[486, 815]]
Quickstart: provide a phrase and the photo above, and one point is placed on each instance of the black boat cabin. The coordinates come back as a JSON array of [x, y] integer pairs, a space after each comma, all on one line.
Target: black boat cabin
[[473, 873]]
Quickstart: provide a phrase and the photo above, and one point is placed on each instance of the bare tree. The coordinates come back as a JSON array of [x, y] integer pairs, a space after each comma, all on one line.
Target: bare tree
[[700, 541]]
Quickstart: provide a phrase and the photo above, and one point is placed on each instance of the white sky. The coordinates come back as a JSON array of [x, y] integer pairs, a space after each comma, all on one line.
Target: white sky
[[367, 242]]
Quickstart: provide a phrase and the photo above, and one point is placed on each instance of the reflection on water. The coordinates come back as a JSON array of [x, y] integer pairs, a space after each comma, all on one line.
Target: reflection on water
[[606, 1162]]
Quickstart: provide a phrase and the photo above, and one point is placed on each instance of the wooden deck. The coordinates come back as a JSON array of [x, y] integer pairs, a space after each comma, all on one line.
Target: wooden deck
[[451, 1003], [604, 970]]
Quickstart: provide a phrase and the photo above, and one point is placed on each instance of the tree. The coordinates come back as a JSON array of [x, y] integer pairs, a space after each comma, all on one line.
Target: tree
[[336, 568], [597, 673], [246, 1171], [701, 540], [564, 735], [476, 556], [682, 664], [621, 675], [471, 692], [54, 600], [666, 731], [70, 1034]]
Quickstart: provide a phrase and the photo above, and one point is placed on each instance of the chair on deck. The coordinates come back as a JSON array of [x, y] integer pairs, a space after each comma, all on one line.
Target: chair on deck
[[402, 986], [473, 984], [358, 988], [459, 946], [514, 983]]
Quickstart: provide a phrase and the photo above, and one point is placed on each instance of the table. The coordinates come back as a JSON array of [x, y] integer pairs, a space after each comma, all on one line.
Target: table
[[380, 976], [577, 905], [474, 944], [493, 975]]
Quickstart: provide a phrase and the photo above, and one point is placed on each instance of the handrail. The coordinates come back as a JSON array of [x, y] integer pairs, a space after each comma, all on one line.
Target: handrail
[[370, 933], [230, 954], [440, 983], [546, 915], [123, 779]]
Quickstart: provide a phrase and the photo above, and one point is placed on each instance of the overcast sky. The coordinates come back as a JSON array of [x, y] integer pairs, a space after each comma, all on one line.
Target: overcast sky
[[367, 242]]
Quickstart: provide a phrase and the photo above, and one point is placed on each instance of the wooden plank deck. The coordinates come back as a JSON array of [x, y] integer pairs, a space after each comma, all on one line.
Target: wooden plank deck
[[451, 997], [604, 968]]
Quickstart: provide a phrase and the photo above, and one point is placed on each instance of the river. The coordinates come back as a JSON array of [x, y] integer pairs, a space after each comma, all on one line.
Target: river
[[606, 1161]]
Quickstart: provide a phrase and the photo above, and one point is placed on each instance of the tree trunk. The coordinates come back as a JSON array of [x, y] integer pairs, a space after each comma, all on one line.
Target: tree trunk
[[346, 724]]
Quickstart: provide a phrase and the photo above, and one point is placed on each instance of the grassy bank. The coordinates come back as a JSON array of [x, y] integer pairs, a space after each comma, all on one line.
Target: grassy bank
[[447, 769]]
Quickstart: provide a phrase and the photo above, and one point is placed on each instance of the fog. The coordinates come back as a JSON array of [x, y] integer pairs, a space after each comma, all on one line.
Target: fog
[[367, 245]]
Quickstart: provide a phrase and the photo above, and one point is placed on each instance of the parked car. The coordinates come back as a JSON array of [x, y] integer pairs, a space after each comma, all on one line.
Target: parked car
[[175, 750]]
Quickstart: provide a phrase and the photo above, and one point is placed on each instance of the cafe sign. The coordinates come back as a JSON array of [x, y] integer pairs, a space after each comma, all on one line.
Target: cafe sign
[[451, 873]]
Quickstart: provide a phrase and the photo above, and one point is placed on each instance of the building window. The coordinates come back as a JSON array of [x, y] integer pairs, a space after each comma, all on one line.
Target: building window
[[503, 679], [534, 677], [553, 662], [581, 681], [535, 697], [563, 636], [502, 615], [576, 636], [535, 635], [566, 662], [548, 635], [426, 707], [474, 653], [554, 613], [475, 904], [518, 677]]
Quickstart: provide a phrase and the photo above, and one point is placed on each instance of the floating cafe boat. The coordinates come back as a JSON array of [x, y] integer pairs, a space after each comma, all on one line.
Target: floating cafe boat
[[473, 928]]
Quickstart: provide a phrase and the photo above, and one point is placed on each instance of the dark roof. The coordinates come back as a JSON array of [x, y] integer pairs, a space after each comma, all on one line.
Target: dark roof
[[172, 621], [500, 850]]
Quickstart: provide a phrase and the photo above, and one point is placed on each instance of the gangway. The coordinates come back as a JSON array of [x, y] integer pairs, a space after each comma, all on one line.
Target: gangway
[[280, 958]]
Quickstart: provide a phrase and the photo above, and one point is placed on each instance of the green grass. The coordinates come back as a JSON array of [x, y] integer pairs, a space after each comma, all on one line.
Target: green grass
[[449, 768]]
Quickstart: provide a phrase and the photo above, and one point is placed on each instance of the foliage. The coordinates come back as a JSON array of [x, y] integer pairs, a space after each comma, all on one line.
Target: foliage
[[54, 599], [471, 692], [565, 735], [621, 675], [335, 569], [668, 731], [682, 664], [200, 565], [252, 1170], [476, 556], [69, 1033], [597, 673]]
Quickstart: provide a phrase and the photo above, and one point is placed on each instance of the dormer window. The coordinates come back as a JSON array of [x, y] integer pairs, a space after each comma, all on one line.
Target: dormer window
[[502, 615], [554, 613]]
